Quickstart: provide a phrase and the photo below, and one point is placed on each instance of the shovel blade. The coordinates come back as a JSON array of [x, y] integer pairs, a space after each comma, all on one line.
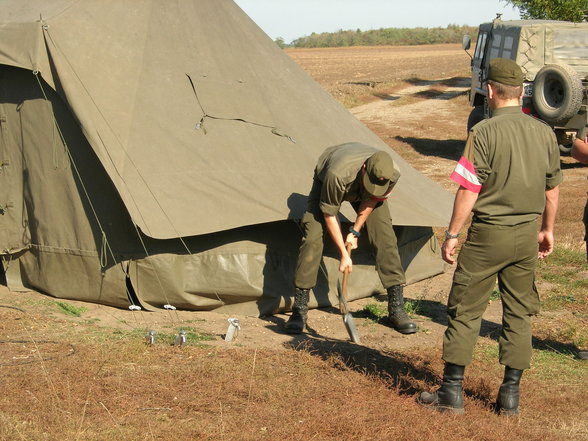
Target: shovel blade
[[351, 328]]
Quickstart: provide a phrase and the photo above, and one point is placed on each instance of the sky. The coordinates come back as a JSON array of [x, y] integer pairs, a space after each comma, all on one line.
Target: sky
[[292, 19]]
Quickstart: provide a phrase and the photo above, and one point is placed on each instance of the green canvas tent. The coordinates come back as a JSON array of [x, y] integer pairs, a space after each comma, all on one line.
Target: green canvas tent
[[160, 153]]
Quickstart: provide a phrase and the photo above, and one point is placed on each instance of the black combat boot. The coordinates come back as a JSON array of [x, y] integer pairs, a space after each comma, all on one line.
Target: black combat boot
[[297, 321], [507, 402], [449, 397], [396, 314]]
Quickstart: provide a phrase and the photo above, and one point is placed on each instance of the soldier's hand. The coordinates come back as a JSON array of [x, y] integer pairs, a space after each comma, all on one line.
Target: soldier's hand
[[352, 239], [345, 264], [545, 240], [448, 250]]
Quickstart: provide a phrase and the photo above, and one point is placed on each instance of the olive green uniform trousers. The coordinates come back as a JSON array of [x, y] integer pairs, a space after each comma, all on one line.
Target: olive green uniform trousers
[[491, 251], [380, 234]]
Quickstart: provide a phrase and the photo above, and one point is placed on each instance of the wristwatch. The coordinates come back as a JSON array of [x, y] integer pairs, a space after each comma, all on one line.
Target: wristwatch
[[448, 235], [354, 231]]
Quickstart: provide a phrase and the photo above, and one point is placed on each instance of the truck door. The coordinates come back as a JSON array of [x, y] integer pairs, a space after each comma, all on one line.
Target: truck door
[[478, 92]]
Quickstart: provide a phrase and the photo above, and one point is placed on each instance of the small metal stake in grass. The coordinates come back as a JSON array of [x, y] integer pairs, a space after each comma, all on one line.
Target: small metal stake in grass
[[150, 337], [180, 338], [233, 329]]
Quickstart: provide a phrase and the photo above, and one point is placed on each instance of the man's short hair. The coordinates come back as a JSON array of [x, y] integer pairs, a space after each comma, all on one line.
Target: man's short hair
[[505, 92]]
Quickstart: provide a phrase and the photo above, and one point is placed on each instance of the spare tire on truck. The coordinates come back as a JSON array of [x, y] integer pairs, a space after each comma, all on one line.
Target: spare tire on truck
[[557, 93]]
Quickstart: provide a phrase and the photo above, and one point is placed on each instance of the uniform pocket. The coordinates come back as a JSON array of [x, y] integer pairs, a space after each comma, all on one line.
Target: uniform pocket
[[534, 304], [459, 287]]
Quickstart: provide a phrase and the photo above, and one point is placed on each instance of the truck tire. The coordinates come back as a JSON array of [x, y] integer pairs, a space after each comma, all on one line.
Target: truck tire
[[557, 93], [476, 115], [565, 149]]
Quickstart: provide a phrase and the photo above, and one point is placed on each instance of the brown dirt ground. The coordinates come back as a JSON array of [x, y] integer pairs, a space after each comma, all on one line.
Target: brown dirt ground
[[415, 100]]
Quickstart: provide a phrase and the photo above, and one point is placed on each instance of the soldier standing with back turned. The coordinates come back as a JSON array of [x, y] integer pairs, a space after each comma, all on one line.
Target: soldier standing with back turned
[[509, 175]]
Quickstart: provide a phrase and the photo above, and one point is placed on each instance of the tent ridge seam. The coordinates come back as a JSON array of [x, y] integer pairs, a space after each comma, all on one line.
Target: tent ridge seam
[[63, 250]]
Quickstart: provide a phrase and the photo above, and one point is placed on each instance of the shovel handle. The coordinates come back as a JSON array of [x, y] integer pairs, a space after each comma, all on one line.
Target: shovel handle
[[345, 275], [347, 317]]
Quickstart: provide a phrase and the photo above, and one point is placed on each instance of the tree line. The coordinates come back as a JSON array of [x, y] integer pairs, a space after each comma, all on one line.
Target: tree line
[[387, 36]]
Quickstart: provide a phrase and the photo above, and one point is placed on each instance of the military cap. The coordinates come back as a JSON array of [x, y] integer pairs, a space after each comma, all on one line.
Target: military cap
[[381, 174], [505, 71]]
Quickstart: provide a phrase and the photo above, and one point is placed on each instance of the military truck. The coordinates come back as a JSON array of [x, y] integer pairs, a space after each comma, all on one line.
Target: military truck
[[554, 58]]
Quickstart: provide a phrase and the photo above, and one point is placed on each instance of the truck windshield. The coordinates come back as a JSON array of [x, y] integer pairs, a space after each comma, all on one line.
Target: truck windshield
[[480, 45]]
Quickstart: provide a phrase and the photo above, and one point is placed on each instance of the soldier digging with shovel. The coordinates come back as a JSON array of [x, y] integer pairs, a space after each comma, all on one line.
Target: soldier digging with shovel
[[363, 176]]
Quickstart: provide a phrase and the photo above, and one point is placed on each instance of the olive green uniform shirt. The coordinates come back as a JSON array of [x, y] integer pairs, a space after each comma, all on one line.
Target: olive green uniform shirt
[[513, 179], [338, 170]]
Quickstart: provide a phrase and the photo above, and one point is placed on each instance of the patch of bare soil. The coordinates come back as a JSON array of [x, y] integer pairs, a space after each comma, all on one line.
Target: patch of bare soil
[[370, 66], [266, 332]]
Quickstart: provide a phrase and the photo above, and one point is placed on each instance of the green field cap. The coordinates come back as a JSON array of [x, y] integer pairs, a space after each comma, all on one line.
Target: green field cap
[[380, 173], [505, 71]]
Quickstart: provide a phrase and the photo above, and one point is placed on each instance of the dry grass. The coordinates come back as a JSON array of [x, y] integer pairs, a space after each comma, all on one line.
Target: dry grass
[[125, 390]]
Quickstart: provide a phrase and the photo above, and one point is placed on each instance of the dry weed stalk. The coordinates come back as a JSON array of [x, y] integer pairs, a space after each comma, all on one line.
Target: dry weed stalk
[[251, 377], [112, 417]]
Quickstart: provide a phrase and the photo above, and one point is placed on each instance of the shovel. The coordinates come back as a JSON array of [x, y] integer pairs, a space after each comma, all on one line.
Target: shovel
[[347, 317]]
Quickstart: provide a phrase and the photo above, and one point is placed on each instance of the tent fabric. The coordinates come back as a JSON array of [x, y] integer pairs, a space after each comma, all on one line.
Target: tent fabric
[[162, 152], [241, 285], [141, 77]]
